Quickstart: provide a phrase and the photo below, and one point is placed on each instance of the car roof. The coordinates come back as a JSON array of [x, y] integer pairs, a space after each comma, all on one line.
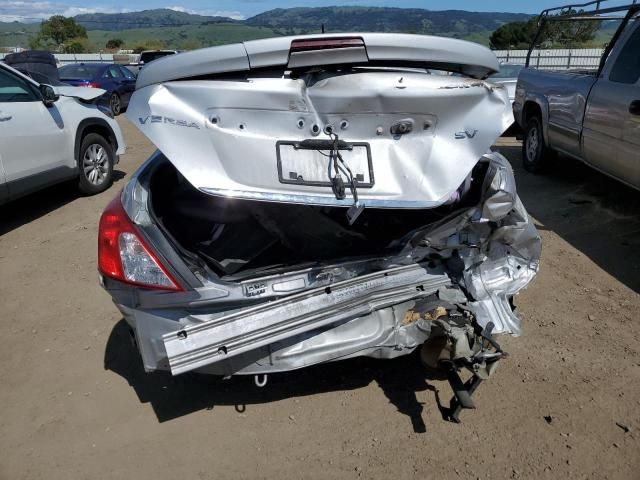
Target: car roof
[[19, 73]]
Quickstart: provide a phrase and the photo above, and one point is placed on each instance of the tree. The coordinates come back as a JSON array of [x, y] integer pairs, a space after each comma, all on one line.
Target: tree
[[59, 29], [114, 43], [573, 33], [74, 46], [514, 35]]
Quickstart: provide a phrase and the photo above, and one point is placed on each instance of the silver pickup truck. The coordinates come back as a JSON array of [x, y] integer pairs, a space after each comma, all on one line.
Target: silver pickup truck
[[592, 116]]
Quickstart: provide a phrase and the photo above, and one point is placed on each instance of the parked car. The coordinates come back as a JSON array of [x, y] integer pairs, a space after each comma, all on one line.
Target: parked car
[[507, 76], [37, 64], [303, 207], [118, 81], [46, 138], [591, 116]]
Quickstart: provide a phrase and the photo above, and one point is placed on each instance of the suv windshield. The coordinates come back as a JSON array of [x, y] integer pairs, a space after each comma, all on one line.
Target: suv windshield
[[147, 57], [507, 71]]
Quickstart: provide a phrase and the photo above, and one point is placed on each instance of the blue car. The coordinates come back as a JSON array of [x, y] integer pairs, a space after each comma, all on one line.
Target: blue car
[[118, 81]]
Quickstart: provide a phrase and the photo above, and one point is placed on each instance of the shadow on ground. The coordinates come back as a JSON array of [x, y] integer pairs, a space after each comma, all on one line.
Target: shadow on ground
[[31, 207], [594, 213], [173, 397]]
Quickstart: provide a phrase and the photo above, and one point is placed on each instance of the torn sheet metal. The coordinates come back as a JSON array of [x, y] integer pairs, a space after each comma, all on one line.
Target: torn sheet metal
[[498, 244], [486, 254]]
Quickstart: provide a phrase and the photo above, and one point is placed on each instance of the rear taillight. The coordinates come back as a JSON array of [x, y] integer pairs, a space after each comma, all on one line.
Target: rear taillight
[[124, 256], [92, 85], [305, 45]]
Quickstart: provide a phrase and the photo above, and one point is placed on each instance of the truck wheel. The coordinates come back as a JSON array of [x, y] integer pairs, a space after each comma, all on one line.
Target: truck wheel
[[95, 164], [535, 153]]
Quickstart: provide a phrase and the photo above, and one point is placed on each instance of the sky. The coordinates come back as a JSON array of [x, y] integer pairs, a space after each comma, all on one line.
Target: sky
[[34, 10]]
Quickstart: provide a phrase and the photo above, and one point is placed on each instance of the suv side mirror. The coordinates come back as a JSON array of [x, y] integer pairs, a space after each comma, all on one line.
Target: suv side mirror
[[49, 95]]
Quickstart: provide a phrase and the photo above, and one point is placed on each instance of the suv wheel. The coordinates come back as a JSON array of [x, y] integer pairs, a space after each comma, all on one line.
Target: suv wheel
[[535, 153], [115, 104], [95, 164]]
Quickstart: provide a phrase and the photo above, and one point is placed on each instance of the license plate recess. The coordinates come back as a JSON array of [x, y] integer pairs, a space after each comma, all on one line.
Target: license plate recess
[[306, 162]]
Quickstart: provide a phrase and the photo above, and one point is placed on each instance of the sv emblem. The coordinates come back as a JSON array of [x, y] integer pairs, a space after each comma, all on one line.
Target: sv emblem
[[465, 134]]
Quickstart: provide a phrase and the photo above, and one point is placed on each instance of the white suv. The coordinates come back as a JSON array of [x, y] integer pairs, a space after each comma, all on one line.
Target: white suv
[[49, 136]]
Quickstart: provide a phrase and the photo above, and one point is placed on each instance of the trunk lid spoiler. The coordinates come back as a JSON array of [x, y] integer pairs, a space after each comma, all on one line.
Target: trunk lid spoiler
[[449, 54]]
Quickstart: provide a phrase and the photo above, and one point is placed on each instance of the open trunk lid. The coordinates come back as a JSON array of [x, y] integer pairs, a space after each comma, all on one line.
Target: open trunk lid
[[407, 138]]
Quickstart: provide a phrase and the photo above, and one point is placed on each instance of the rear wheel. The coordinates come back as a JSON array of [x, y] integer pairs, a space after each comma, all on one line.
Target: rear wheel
[[536, 155], [115, 104], [96, 164]]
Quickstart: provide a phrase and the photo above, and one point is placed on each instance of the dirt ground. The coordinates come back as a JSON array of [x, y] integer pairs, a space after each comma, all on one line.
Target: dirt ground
[[76, 404]]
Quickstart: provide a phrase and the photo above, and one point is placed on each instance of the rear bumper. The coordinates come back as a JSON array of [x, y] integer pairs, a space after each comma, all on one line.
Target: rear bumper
[[368, 316], [473, 261], [368, 310]]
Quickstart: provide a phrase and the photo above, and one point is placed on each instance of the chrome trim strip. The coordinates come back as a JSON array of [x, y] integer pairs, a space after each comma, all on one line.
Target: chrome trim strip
[[320, 200]]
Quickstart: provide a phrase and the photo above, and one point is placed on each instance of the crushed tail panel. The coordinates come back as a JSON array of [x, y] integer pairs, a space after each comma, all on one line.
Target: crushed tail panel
[[223, 338], [473, 261]]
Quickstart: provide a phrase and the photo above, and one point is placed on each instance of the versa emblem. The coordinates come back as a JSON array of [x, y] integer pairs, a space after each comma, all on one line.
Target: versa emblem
[[170, 121], [465, 134]]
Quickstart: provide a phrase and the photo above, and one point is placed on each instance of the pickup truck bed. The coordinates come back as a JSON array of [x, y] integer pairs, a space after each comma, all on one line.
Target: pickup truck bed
[[560, 99]]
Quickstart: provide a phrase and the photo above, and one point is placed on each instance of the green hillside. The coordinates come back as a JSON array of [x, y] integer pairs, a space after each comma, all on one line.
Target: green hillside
[[383, 19], [161, 17], [17, 34], [185, 37], [180, 30]]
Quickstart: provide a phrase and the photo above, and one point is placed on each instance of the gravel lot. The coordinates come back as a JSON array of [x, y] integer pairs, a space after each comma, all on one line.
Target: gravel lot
[[75, 402]]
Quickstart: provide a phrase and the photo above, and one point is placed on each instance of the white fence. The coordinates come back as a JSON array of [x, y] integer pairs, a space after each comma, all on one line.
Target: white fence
[[558, 59], [64, 58], [554, 59]]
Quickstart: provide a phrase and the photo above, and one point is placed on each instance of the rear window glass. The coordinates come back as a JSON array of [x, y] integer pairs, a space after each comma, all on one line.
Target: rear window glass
[[79, 71], [147, 57]]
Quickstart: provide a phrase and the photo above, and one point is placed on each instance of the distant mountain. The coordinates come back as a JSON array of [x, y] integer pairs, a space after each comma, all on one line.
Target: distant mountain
[[182, 30], [161, 17], [288, 21], [382, 19]]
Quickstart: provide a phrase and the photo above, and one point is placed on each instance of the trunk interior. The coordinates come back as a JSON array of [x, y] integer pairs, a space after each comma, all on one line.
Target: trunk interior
[[242, 238]]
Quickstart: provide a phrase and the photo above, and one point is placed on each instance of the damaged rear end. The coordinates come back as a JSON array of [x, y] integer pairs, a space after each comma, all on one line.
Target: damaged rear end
[[315, 199]]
